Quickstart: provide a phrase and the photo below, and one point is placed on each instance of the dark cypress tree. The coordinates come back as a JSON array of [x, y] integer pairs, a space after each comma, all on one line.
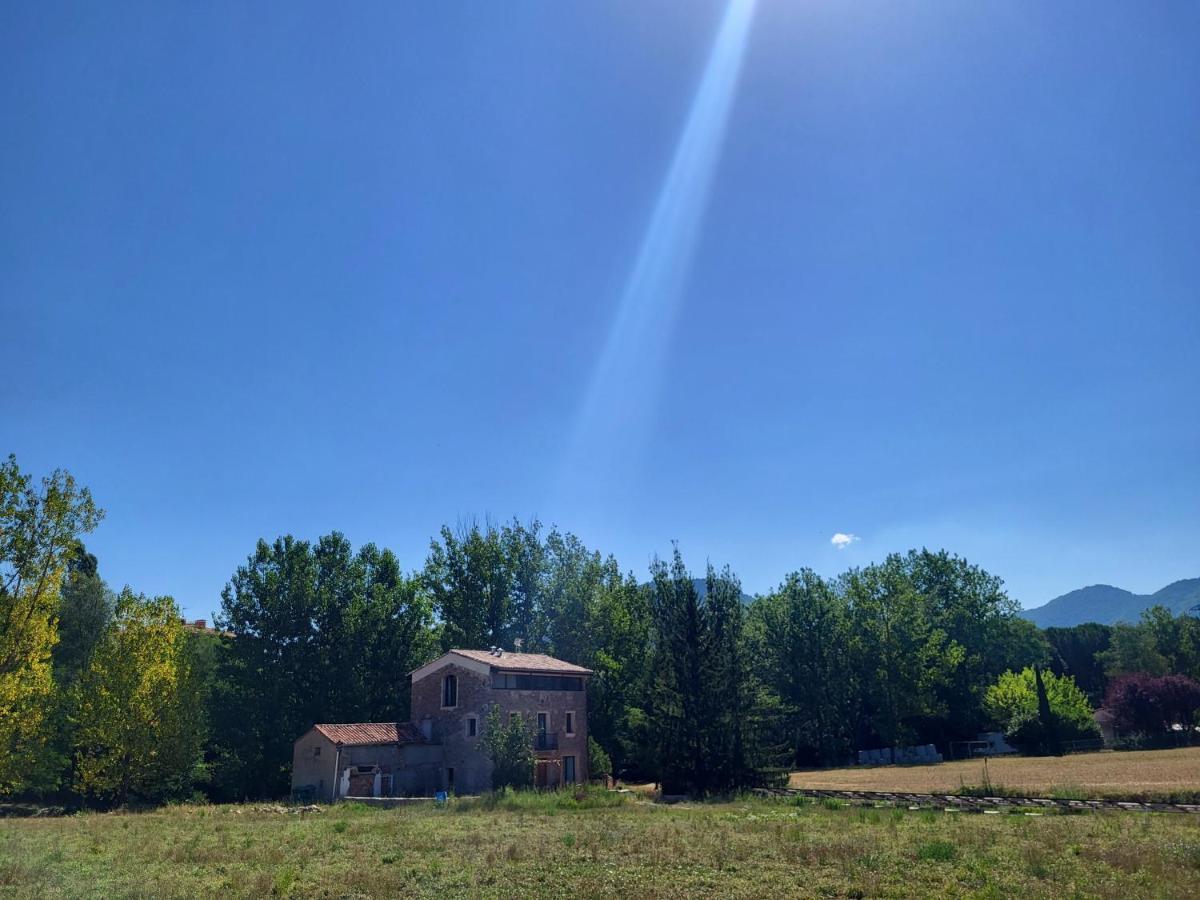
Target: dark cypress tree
[[677, 686], [1050, 742], [726, 690], [700, 694]]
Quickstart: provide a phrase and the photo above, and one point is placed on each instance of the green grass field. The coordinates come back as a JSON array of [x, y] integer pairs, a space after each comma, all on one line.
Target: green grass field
[[606, 845]]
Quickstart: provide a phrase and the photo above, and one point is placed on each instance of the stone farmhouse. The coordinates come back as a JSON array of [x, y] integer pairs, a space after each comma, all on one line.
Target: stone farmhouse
[[440, 750]]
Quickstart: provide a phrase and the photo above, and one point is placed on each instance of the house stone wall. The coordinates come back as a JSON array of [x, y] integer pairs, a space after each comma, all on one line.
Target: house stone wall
[[420, 771], [471, 765], [466, 755], [310, 769]]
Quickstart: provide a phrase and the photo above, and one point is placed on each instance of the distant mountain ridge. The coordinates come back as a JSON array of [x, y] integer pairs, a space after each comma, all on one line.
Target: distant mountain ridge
[[1108, 605]]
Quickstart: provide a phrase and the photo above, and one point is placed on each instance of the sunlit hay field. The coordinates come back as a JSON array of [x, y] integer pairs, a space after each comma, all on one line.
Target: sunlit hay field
[[557, 847], [1151, 773]]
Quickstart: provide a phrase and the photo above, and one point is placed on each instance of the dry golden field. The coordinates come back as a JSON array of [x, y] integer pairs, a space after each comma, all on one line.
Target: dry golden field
[[1112, 774]]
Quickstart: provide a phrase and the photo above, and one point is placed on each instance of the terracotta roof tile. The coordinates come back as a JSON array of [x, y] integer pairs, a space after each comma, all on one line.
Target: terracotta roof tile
[[524, 662], [354, 733]]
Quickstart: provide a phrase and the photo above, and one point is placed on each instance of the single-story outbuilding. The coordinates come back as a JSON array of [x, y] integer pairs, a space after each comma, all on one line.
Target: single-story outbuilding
[[365, 759]]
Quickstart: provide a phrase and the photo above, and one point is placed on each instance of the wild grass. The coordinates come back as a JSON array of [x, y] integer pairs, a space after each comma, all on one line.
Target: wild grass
[[548, 802], [597, 845], [1078, 792]]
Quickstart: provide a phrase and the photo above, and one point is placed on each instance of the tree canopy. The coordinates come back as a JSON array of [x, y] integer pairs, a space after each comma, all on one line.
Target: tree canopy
[[39, 536], [141, 724], [694, 685]]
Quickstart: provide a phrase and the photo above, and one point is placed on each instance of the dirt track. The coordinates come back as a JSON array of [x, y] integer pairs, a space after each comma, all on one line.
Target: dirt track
[[981, 804]]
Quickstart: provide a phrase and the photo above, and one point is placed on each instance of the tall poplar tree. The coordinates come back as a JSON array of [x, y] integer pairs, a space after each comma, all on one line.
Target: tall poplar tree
[[39, 531], [468, 576], [140, 718]]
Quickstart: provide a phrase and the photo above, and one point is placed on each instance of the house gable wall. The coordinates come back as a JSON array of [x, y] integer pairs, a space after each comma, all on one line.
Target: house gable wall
[[465, 755], [309, 769]]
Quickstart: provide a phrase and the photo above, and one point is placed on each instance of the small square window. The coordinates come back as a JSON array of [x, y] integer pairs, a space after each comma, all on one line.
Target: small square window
[[317, 750]]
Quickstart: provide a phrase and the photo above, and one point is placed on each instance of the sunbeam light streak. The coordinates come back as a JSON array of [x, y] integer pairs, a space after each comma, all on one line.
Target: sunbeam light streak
[[624, 385]]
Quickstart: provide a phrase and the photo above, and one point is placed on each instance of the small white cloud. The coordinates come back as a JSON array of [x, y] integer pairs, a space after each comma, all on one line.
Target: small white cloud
[[842, 541]]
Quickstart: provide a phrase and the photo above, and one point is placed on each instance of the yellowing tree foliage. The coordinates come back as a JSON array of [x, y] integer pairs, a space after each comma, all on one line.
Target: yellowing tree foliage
[[39, 532], [140, 724]]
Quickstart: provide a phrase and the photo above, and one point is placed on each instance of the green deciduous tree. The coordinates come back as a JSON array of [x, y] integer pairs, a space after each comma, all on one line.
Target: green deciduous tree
[[1133, 649], [573, 574], [802, 638], [619, 652], [526, 560], [319, 633], [982, 631], [900, 654], [1012, 703], [510, 747], [39, 531], [138, 707], [469, 577]]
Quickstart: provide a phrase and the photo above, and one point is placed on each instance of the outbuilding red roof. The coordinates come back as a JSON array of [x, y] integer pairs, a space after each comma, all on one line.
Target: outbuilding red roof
[[523, 662], [356, 733]]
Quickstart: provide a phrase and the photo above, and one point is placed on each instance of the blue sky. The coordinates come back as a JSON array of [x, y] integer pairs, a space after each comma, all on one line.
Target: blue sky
[[271, 268]]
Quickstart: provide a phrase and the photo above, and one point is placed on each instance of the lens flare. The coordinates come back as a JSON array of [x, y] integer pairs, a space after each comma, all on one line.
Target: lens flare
[[622, 394]]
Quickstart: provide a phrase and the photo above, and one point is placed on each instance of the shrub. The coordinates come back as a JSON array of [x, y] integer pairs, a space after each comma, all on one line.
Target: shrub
[[937, 851], [599, 762]]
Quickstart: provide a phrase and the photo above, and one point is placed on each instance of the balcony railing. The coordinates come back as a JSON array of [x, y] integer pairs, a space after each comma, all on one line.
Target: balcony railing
[[545, 741]]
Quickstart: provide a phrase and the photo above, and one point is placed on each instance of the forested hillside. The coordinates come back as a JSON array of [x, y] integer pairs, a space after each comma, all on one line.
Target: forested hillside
[[1108, 605]]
